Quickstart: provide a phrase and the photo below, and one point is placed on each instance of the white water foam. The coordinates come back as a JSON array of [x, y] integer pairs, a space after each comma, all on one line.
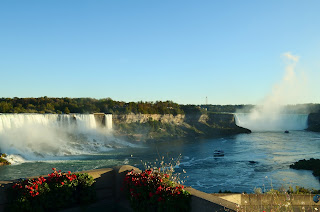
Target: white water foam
[[15, 159], [272, 122], [108, 120], [45, 136]]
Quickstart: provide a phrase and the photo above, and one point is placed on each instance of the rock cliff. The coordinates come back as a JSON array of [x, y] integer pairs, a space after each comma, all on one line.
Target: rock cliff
[[314, 122], [148, 127]]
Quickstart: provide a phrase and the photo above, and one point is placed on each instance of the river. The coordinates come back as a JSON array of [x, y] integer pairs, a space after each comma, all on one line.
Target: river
[[256, 160]]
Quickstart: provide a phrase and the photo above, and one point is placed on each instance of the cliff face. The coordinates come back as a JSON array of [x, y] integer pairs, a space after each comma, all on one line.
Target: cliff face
[[143, 118], [147, 127], [314, 122]]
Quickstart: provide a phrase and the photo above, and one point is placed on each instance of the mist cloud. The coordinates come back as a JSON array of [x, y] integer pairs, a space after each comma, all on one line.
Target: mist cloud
[[289, 90]]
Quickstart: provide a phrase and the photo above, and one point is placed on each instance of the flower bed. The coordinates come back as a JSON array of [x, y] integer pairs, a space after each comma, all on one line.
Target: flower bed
[[58, 190], [152, 190]]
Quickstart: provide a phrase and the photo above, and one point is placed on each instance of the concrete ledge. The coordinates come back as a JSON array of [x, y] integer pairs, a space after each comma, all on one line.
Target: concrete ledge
[[103, 177], [203, 202], [298, 200]]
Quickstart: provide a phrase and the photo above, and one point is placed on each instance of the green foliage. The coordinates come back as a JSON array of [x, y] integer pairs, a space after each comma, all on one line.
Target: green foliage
[[3, 160], [227, 108], [302, 190], [107, 105], [66, 110], [59, 190], [85, 105], [191, 109], [298, 108]]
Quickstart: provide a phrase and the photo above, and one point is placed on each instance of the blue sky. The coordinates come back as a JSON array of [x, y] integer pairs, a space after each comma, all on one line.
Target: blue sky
[[230, 51]]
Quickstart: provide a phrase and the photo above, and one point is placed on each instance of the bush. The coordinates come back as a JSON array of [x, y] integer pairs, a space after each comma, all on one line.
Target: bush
[[152, 190], [3, 160], [58, 190]]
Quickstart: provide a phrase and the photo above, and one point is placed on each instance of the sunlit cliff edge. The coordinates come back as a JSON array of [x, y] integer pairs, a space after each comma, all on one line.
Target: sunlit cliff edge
[[149, 127]]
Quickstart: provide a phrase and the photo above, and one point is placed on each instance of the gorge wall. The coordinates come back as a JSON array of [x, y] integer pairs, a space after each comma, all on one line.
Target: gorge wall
[[314, 122], [148, 127]]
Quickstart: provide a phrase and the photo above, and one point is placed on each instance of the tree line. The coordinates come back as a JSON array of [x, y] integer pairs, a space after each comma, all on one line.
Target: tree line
[[107, 105], [85, 105]]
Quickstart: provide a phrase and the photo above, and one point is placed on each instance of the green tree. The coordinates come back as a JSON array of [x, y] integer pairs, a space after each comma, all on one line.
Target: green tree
[[5, 107], [66, 110]]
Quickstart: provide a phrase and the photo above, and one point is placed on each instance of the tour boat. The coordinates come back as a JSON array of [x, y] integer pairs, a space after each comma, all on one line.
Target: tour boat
[[218, 153]]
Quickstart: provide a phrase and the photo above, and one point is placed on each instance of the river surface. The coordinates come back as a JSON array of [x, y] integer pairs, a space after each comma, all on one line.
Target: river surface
[[270, 154]]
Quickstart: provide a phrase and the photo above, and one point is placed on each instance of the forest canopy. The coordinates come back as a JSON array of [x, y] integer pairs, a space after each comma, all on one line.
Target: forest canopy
[[85, 105], [107, 105]]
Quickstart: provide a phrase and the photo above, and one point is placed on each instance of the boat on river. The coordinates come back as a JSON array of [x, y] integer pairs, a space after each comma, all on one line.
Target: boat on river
[[218, 153]]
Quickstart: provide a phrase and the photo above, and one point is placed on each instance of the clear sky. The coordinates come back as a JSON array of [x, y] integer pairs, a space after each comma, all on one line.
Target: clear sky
[[230, 51]]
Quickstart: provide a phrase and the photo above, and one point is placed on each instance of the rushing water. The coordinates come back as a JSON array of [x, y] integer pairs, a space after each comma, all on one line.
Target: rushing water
[[259, 159], [272, 153], [272, 121]]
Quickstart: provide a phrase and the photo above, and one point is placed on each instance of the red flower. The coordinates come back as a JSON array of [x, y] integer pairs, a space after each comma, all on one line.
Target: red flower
[[160, 199], [151, 194], [62, 183]]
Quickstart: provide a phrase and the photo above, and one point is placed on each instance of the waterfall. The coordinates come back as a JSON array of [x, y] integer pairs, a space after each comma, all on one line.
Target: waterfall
[[35, 136], [85, 121], [272, 122], [108, 121]]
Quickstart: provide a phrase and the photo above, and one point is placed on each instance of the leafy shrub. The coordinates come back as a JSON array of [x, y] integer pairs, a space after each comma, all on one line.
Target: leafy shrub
[[152, 190], [302, 190], [58, 190], [3, 160]]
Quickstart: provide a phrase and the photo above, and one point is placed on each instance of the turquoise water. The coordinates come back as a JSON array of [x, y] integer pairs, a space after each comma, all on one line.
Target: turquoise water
[[272, 153]]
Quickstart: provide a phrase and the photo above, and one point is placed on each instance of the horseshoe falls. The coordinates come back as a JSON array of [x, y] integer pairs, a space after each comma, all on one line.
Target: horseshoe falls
[[271, 122]]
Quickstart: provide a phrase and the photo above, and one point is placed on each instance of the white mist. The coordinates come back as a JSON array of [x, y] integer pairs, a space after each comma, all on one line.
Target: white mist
[[269, 115]]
